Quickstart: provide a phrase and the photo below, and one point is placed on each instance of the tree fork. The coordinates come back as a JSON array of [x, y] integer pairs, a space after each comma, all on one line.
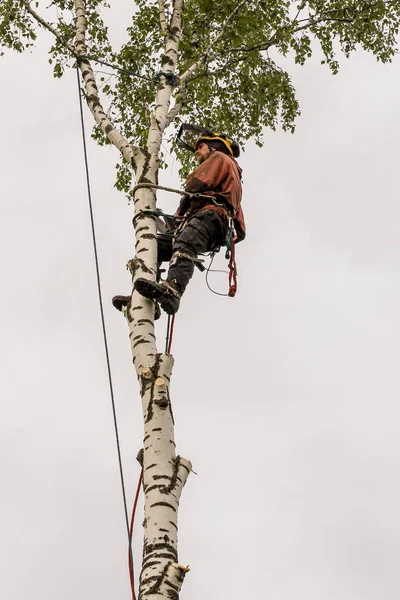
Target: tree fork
[[164, 473]]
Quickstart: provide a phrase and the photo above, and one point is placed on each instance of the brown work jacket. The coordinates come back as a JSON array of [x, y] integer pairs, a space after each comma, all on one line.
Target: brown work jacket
[[219, 176]]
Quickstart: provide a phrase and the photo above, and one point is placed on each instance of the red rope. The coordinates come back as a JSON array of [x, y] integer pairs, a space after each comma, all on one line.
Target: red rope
[[130, 560], [232, 272], [170, 335]]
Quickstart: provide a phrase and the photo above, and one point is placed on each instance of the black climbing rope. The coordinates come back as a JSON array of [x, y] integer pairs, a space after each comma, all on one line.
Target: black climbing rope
[[103, 320]]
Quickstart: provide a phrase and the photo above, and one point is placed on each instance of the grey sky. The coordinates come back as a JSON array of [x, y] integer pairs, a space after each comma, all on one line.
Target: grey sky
[[301, 369]]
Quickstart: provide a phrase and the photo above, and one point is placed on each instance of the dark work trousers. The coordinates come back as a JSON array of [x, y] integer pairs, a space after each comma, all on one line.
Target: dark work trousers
[[204, 231]]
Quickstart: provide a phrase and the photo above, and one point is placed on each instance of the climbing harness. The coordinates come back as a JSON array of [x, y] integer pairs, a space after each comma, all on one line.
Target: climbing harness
[[229, 240], [230, 254], [229, 243], [198, 262]]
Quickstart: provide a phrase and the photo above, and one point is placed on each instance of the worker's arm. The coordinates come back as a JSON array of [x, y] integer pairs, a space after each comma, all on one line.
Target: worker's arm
[[210, 175], [203, 179], [184, 206]]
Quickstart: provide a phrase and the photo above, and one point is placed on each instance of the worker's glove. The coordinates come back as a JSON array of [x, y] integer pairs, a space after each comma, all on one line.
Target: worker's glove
[[184, 205]]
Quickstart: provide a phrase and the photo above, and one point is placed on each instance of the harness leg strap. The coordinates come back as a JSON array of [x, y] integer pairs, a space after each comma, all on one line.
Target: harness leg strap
[[198, 262]]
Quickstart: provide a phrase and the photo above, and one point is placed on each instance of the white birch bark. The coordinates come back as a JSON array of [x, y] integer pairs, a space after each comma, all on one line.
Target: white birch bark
[[164, 473]]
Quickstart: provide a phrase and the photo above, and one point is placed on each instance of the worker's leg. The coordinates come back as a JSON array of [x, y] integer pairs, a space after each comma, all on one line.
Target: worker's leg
[[164, 251], [202, 233], [205, 231], [164, 254]]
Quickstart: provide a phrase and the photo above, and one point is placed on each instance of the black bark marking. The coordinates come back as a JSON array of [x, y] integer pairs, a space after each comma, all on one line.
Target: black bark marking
[[151, 466], [142, 341], [136, 264], [148, 236], [164, 504], [170, 406], [185, 467], [157, 584], [144, 322], [142, 250], [175, 474], [146, 165], [139, 217], [143, 227], [172, 585], [92, 81], [162, 403], [166, 60], [167, 489], [157, 429], [169, 556], [108, 128], [156, 486], [162, 546], [154, 369], [146, 437], [173, 524], [151, 564], [94, 101]]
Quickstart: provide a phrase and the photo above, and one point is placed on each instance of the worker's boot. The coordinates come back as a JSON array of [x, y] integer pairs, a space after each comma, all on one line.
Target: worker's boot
[[120, 302], [166, 293]]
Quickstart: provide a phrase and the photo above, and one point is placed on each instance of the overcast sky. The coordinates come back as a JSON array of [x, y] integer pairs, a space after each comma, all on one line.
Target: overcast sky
[[286, 398]]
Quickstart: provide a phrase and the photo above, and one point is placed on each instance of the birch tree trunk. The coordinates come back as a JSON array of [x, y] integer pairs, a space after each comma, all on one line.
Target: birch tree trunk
[[164, 473]]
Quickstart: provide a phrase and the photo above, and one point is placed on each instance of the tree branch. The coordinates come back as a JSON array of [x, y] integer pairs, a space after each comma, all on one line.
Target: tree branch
[[49, 27], [186, 76], [163, 19], [180, 100], [92, 92], [309, 22]]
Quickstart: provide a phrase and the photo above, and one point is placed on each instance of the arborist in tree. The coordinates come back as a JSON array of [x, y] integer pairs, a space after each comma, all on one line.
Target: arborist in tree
[[212, 204]]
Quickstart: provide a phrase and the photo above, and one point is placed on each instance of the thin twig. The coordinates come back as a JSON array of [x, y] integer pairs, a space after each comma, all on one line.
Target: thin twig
[[186, 76], [309, 22], [50, 28]]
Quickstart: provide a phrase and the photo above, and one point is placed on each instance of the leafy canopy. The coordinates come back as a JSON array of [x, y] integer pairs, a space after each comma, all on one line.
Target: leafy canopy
[[240, 88]]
